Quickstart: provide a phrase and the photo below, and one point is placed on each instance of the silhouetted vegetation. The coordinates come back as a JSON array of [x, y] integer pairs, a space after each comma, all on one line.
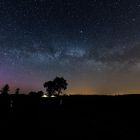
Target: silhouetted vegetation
[[60, 84], [17, 91], [50, 88], [94, 116], [36, 94], [5, 90], [40, 93], [56, 86]]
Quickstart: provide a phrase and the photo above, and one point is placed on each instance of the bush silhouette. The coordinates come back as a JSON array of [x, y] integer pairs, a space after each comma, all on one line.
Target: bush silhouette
[[17, 91], [36, 94], [40, 93]]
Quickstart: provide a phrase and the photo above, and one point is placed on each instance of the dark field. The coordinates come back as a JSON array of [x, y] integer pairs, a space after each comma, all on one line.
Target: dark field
[[115, 117]]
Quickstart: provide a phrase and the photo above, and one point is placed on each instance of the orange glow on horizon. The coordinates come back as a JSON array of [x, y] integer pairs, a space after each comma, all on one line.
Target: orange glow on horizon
[[82, 90]]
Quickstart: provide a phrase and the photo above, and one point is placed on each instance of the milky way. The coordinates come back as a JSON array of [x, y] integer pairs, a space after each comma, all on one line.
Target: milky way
[[94, 44]]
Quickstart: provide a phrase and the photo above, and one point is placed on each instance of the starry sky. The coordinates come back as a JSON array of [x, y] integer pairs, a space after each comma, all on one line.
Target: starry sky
[[94, 44]]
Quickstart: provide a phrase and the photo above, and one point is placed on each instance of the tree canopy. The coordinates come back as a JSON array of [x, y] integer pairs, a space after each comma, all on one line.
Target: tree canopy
[[56, 86]]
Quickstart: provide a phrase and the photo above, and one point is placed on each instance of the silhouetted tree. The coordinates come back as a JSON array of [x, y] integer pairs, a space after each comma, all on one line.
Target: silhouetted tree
[[5, 90], [17, 91], [50, 88], [60, 84]]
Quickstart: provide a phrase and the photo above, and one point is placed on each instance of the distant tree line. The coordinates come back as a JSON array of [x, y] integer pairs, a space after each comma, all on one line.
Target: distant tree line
[[54, 87]]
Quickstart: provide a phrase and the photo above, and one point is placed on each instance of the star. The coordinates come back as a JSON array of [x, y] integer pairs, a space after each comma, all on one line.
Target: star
[[133, 19], [81, 31], [90, 39]]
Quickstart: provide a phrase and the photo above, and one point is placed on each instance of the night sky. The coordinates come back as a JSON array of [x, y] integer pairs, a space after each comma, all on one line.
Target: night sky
[[94, 44]]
